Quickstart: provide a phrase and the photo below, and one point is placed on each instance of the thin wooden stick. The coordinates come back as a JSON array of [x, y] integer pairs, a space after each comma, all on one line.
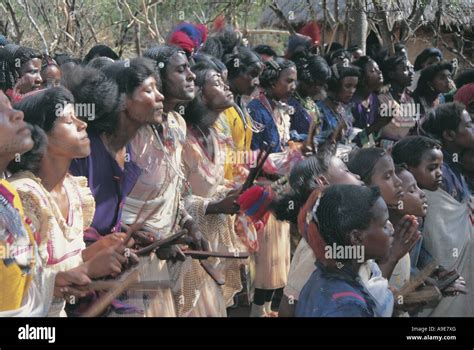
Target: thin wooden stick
[[112, 284], [418, 280], [198, 254], [98, 308], [155, 245]]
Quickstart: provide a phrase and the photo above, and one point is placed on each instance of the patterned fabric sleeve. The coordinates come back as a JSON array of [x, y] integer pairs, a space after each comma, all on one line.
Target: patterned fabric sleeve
[[40, 219], [87, 200]]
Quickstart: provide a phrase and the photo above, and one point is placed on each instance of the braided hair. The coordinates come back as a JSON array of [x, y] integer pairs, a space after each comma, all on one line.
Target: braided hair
[[272, 71], [312, 68]]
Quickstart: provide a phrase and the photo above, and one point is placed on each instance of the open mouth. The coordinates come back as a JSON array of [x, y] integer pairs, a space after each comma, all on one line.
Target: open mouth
[[400, 194], [425, 206]]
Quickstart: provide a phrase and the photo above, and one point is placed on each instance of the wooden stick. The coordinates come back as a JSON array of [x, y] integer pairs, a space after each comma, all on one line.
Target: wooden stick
[[160, 243], [425, 295], [112, 284], [197, 254], [98, 308], [418, 280], [138, 225], [214, 273]]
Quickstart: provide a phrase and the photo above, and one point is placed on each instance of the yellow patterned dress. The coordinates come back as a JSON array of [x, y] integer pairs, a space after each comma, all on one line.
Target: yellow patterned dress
[[25, 289]]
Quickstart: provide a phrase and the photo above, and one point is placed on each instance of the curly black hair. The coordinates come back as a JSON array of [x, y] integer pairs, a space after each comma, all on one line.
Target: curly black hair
[[410, 149], [343, 208], [446, 116], [91, 86]]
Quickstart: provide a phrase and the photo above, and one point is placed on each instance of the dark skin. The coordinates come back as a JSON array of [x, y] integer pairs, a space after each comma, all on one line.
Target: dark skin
[[142, 107], [440, 84], [431, 60], [313, 89], [178, 82], [245, 83], [456, 141], [51, 76], [406, 231], [68, 140], [373, 81], [428, 173], [216, 97], [337, 174], [285, 86], [30, 76], [400, 79], [346, 91], [15, 138], [415, 203]]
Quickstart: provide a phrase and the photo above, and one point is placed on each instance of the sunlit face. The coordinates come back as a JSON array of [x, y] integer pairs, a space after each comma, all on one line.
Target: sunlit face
[[178, 82], [414, 200], [339, 174], [390, 185], [15, 135], [373, 76], [216, 94], [145, 104], [68, 137], [377, 239]]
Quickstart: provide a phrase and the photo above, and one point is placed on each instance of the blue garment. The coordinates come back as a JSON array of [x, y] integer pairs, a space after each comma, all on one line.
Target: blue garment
[[110, 185], [269, 134], [300, 120], [453, 180], [334, 293], [329, 121]]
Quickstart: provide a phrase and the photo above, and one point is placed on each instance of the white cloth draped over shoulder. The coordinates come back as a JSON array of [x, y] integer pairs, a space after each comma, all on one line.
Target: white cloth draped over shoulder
[[448, 235]]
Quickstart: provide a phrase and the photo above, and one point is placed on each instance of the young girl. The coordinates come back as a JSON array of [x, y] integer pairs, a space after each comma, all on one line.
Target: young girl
[[435, 80], [354, 217], [26, 287], [59, 205], [313, 73], [272, 260], [446, 214], [210, 202], [376, 168], [315, 172], [335, 108]]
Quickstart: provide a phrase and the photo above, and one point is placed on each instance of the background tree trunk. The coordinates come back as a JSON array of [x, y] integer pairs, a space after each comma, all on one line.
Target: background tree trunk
[[358, 24]]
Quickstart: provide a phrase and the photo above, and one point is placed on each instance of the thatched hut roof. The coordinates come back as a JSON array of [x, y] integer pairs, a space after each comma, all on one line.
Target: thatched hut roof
[[298, 13]]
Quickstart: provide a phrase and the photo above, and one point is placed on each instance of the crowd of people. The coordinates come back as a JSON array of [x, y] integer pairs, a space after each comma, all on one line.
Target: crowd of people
[[366, 181]]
